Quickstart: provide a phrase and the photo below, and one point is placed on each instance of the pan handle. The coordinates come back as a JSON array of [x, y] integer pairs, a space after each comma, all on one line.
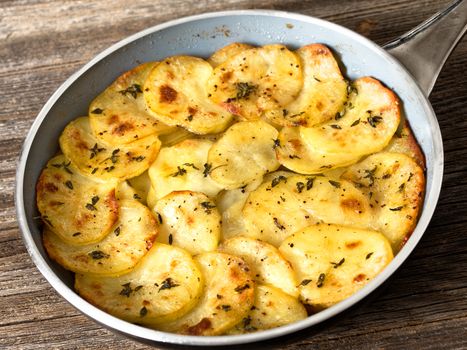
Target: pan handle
[[424, 49]]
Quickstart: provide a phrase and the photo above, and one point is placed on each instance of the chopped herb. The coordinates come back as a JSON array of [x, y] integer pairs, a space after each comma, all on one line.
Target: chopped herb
[[97, 111], [247, 324], [138, 159], [374, 120], [319, 81], [167, 284], [45, 218], [127, 290], [336, 265], [159, 216], [277, 143], [189, 118], [98, 254], [277, 180], [401, 187], [369, 255], [171, 239], [65, 166], [226, 307], [132, 90], [320, 281], [335, 126], [94, 171], [192, 165], [300, 186], [244, 90], [326, 166], [180, 172], [410, 177], [397, 208], [94, 200], [218, 296], [109, 168], [117, 231], [278, 224], [207, 169], [95, 150], [143, 312], [285, 112], [339, 115], [76, 234], [305, 282], [240, 289], [90, 206], [309, 183], [386, 176], [138, 288], [69, 184], [370, 174], [297, 115], [207, 207], [114, 156], [355, 123], [136, 196], [335, 184], [293, 156], [351, 88]]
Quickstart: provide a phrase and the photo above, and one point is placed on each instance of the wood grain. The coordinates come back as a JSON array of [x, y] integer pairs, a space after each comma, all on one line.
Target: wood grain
[[424, 306]]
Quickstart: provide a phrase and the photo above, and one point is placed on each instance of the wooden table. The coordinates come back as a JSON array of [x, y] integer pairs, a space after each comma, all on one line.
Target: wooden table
[[42, 42]]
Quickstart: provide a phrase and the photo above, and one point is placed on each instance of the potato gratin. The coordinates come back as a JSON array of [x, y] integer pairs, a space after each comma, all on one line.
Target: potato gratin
[[234, 194]]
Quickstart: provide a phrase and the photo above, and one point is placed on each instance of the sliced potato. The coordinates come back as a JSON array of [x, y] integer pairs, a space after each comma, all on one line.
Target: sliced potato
[[126, 191], [227, 299], [244, 153], [394, 184], [151, 199], [141, 185], [128, 241], [176, 92], [323, 94], [183, 167], [333, 262], [293, 153], [266, 263], [272, 308], [257, 80], [179, 134], [230, 204], [103, 161], [223, 54], [371, 118], [165, 285], [119, 114], [287, 204], [77, 208], [189, 220]]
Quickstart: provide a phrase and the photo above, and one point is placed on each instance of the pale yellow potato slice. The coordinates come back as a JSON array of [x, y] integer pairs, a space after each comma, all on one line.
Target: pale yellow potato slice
[[287, 204], [230, 204], [183, 167], [394, 184], [151, 199], [332, 262], [119, 114], [257, 80], [243, 154], [227, 299], [141, 185], [371, 118], [323, 94], [266, 263], [272, 308], [293, 153], [189, 220], [126, 191], [165, 285], [176, 92], [224, 53], [103, 161], [128, 241], [77, 208]]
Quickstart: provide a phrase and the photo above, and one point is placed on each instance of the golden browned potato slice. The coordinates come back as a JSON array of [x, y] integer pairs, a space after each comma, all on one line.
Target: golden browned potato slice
[[266, 263], [405, 142], [323, 94], [394, 184], [295, 154], [227, 299], [230, 204], [287, 204], [165, 285], [176, 92], [243, 154], [103, 161], [183, 167], [223, 54], [189, 220], [128, 241], [272, 308], [257, 80], [371, 118], [119, 114], [333, 262], [77, 208]]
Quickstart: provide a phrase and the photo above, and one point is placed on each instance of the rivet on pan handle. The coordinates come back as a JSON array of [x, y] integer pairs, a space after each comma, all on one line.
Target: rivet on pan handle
[[424, 49]]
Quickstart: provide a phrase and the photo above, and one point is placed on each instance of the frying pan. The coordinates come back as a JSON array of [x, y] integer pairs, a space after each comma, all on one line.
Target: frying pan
[[408, 65]]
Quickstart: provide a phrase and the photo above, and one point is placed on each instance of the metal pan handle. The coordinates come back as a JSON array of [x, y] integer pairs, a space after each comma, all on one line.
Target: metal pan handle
[[425, 49]]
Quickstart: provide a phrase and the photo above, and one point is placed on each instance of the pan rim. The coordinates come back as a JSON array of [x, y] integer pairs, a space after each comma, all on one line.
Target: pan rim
[[431, 198]]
